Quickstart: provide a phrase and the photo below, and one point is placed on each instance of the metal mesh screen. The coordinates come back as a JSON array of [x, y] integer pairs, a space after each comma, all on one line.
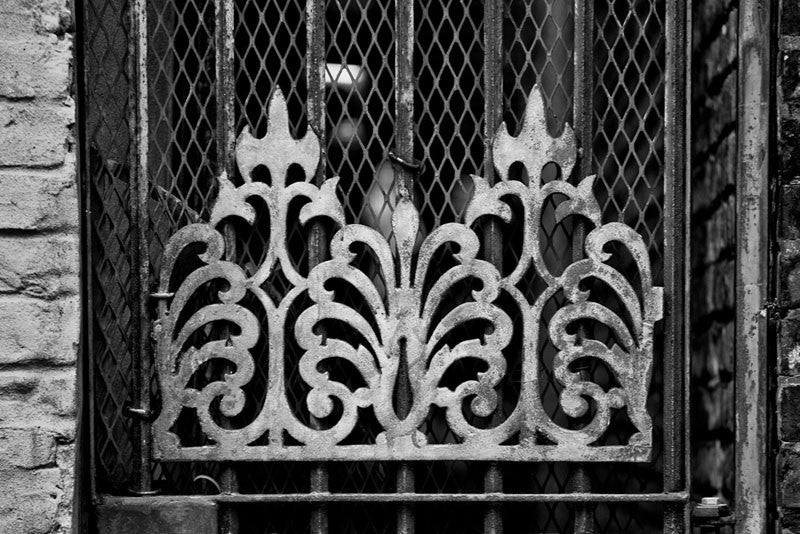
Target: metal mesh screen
[[270, 53], [107, 146]]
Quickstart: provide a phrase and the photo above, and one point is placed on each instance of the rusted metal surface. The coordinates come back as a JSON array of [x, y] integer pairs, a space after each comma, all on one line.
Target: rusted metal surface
[[139, 185], [315, 74], [583, 108], [677, 202], [752, 253], [492, 235], [406, 220], [404, 324], [679, 498]]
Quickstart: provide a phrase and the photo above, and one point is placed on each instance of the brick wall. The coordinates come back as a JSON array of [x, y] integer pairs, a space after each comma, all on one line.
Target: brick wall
[[788, 235], [39, 259], [714, 81]]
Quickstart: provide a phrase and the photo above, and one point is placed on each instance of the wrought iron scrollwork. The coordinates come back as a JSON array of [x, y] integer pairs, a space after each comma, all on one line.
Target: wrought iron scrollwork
[[401, 313]]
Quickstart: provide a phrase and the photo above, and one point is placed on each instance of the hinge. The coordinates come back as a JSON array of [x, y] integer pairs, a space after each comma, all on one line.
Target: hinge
[[711, 515]]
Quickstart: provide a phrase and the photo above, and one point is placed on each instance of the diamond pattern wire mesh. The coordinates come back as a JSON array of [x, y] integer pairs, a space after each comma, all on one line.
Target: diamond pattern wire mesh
[[360, 105], [107, 142], [629, 63], [270, 53], [182, 158]]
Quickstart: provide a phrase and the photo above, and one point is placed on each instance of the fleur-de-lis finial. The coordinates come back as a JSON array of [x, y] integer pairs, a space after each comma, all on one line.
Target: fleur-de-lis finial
[[533, 146]]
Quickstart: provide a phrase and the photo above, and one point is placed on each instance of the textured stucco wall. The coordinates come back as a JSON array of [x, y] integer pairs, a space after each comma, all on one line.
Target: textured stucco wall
[[39, 260]]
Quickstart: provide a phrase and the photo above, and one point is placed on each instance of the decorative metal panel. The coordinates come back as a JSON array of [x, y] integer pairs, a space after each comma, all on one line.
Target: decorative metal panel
[[215, 311]]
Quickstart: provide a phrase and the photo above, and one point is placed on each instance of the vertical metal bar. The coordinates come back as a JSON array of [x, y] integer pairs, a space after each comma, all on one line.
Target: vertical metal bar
[[404, 93], [138, 183], [493, 239], [86, 446], [752, 252], [676, 271], [226, 139], [583, 114], [404, 148], [317, 250], [226, 89]]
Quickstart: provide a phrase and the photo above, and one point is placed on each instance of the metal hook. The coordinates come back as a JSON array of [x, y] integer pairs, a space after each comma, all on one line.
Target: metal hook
[[413, 165]]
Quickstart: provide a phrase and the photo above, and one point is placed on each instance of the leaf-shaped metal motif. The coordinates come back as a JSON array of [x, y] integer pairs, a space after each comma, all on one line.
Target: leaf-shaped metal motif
[[403, 310]]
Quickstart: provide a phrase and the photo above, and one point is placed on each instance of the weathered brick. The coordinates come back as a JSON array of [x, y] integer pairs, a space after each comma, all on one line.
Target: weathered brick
[[788, 154], [717, 289], [35, 133], [790, 521], [720, 230], [712, 465], [41, 266], [714, 340], [789, 343], [790, 17], [66, 461], [36, 66], [39, 331], [43, 398], [28, 448], [790, 203], [38, 341], [29, 500], [39, 16], [714, 410], [789, 477], [789, 400], [39, 200], [706, 13], [714, 175]]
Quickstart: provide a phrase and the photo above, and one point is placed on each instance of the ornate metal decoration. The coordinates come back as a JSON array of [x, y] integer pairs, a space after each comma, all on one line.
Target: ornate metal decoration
[[217, 311]]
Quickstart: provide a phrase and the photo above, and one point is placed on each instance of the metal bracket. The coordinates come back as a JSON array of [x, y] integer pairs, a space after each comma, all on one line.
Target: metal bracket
[[711, 515], [138, 413]]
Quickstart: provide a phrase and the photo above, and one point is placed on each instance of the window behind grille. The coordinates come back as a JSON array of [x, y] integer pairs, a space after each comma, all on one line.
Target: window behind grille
[[620, 123]]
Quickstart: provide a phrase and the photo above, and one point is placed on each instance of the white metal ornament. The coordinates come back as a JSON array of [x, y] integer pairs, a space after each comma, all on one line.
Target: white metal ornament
[[403, 320]]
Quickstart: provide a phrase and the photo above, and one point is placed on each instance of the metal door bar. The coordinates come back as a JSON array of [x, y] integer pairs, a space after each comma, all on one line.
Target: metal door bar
[[404, 148], [226, 142], [140, 277], [493, 240], [677, 499], [315, 74], [676, 267], [582, 112]]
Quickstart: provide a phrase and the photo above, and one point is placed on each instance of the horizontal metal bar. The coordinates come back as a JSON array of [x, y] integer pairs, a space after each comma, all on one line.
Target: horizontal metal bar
[[679, 497], [477, 451]]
